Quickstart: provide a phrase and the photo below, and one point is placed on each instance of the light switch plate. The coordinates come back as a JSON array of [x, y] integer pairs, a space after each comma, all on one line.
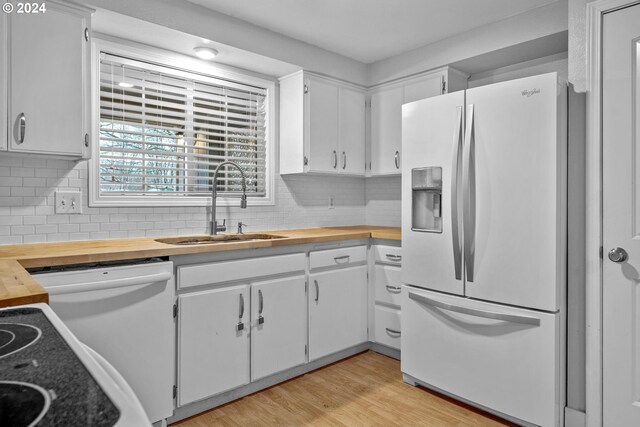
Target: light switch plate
[[68, 202]]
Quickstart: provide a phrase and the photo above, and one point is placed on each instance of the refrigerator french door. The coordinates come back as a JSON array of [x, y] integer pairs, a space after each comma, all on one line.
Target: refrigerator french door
[[484, 246]]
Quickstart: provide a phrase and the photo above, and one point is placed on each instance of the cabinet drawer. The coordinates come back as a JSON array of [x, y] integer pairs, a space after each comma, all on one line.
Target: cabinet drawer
[[227, 271], [387, 329], [388, 254], [387, 284], [338, 257]]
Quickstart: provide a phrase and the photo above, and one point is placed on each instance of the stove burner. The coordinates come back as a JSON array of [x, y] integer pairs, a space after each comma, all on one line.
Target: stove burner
[[16, 336], [22, 404]]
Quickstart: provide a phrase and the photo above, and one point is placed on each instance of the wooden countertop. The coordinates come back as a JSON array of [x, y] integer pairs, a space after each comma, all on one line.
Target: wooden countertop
[[18, 287]]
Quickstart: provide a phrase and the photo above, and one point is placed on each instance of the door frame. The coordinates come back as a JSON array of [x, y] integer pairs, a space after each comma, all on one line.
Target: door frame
[[594, 218]]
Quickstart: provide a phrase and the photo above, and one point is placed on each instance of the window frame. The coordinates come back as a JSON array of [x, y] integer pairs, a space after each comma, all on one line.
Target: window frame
[[164, 58]]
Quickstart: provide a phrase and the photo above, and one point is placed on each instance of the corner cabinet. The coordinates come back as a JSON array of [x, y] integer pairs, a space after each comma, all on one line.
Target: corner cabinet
[[46, 77], [337, 300], [322, 126], [386, 114]]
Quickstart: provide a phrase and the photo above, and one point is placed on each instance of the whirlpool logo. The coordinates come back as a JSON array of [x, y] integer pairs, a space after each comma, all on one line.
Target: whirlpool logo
[[530, 92]]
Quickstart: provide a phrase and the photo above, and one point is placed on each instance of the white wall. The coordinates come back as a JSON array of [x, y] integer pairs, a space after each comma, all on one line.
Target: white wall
[[498, 37], [382, 198], [27, 187], [193, 19]]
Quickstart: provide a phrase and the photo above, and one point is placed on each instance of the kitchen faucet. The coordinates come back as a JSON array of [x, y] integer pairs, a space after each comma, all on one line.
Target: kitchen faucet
[[214, 195]]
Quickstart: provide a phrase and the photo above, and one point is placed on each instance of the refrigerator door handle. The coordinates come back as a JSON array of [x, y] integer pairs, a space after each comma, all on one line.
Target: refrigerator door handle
[[469, 195], [455, 216], [512, 318]]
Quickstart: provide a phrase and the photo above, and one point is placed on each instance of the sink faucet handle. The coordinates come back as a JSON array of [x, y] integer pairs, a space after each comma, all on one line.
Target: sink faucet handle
[[240, 225]]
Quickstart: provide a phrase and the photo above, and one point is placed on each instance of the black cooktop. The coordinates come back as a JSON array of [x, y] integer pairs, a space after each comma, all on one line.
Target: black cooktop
[[42, 381]]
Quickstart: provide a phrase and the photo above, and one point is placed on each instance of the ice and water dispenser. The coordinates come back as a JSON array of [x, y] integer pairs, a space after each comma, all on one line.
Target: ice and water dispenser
[[426, 202]]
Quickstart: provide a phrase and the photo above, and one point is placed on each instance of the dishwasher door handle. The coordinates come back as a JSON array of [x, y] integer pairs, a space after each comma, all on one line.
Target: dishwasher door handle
[[108, 284]]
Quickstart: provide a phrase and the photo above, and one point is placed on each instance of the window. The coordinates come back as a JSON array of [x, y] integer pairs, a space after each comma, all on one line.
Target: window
[[163, 131]]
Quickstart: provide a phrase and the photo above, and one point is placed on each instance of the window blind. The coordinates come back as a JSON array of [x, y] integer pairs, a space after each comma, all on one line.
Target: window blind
[[164, 131]]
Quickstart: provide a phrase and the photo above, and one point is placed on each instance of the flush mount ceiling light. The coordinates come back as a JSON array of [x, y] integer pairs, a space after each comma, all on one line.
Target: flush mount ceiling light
[[205, 52]]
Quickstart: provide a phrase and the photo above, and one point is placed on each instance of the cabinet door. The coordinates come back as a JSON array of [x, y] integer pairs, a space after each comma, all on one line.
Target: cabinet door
[[337, 310], [3, 83], [423, 89], [386, 131], [213, 353], [47, 81], [351, 118], [321, 117], [279, 325]]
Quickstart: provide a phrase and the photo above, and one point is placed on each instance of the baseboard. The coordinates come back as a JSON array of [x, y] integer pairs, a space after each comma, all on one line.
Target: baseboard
[[198, 407], [574, 418], [387, 351]]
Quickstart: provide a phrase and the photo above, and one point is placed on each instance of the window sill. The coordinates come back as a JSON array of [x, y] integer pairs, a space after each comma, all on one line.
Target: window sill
[[113, 202]]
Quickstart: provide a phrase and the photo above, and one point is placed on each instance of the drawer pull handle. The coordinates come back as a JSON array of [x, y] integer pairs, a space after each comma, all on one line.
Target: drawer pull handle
[[394, 289], [487, 314], [393, 257], [393, 331], [342, 258]]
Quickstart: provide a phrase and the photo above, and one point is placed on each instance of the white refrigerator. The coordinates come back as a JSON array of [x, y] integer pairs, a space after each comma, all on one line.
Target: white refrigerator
[[484, 236]]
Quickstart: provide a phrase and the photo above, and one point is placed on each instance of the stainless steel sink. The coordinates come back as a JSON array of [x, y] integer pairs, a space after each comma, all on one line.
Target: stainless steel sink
[[218, 238]]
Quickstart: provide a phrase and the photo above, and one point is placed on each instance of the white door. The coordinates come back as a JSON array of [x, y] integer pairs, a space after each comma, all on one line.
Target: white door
[[431, 137], [386, 131], [621, 223], [337, 310], [351, 119], [3, 84], [279, 326], [47, 81], [213, 350], [322, 120], [515, 203]]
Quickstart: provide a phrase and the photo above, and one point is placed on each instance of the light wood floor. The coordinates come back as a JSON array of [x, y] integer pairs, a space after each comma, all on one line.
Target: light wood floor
[[364, 390]]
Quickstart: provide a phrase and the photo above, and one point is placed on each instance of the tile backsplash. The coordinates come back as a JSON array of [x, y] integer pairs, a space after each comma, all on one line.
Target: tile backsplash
[[28, 184]]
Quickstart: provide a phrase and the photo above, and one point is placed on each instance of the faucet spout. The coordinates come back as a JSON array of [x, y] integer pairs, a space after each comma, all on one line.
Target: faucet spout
[[214, 193]]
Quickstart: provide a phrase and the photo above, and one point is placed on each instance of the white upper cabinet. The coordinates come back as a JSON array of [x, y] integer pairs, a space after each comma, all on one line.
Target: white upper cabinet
[[386, 114], [386, 124], [321, 117], [48, 81], [322, 126], [351, 131]]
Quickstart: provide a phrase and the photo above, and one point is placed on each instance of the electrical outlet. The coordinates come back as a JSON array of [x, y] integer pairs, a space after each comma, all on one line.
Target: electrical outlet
[[68, 202], [331, 203]]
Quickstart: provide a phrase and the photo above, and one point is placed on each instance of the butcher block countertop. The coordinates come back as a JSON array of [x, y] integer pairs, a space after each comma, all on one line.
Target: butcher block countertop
[[18, 287]]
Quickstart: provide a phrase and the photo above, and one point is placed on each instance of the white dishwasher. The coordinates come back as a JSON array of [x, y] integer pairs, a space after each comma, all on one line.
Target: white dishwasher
[[125, 313]]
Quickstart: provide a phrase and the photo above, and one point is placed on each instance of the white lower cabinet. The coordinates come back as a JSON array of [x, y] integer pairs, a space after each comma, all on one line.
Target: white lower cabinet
[[213, 347], [337, 310], [387, 329], [279, 325]]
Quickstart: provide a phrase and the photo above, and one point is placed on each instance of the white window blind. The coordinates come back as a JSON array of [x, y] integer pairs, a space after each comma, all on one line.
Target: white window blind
[[164, 131]]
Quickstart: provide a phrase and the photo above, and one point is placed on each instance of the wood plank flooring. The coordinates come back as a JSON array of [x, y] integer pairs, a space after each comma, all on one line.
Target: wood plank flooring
[[364, 390]]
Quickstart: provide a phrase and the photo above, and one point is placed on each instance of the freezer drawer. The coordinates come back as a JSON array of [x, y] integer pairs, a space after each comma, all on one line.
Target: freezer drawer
[[502, 358]]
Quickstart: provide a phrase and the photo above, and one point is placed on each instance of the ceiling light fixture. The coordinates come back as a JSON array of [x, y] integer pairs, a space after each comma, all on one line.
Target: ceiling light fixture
[[203, 52]]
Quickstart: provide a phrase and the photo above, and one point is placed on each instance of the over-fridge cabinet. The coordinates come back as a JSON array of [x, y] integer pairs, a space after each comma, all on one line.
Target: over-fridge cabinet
[[328, 126], [37, 116]]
